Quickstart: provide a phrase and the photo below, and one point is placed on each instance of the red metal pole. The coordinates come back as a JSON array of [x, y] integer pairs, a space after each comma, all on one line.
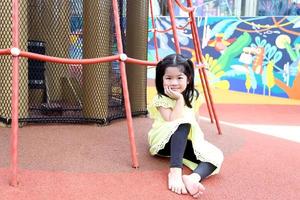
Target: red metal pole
[[154, 32], [125, 86], [200, 72], [15, 94], [140, 62], [45, 58], [207, 86], [4, 51], [202, 69], [172, 18], [186, 9]]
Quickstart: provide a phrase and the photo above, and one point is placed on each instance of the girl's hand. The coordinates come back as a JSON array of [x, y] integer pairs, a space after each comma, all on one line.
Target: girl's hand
[[172, 94]]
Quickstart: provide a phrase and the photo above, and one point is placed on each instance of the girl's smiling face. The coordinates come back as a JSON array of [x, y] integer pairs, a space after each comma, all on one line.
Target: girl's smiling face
[[175, 79]]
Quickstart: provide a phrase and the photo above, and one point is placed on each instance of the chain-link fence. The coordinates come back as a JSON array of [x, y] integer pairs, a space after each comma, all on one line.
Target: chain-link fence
[[52, 92]]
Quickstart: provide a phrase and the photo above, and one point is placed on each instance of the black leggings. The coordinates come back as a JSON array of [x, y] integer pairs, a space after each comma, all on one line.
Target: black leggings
[[180, 147]]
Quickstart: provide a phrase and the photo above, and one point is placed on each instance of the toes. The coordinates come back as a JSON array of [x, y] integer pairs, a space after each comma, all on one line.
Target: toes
[[198, 195], [201, 187], [200, 191], [178, 190], [173, 189], [184, 191]]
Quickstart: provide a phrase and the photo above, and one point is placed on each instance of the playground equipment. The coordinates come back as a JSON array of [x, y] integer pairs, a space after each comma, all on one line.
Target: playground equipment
[[97, 65], [64, 92]]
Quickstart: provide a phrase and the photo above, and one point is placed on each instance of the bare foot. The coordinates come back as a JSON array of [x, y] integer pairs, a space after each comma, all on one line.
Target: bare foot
[[175, 182], [193, 185]]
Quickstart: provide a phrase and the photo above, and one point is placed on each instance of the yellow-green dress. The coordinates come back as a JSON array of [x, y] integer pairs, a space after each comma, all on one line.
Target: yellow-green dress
[[162, 130]]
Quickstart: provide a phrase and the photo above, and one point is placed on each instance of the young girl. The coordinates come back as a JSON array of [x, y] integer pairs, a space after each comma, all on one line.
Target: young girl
[[176, 132]]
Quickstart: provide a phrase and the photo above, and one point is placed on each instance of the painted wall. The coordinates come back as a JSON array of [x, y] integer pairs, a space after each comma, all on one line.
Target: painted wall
[[259, 55]]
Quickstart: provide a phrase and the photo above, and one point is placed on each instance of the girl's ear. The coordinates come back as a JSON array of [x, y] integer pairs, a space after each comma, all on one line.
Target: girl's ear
[[188, 80]]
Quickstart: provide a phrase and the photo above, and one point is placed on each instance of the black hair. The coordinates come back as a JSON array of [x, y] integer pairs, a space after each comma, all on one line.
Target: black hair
[[186, 66]]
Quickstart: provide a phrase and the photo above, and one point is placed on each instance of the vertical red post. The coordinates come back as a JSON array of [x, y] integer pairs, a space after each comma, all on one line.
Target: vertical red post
[[125, 86], [197, 53], [172, 18], [202, 77], [154, 31], [200, 60], [15, 94]]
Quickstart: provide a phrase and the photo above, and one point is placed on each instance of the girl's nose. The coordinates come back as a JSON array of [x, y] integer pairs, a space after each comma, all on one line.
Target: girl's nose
[[174, 82]]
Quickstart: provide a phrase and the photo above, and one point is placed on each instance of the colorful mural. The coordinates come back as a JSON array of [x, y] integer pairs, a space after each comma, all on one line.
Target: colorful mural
[[259, 55]]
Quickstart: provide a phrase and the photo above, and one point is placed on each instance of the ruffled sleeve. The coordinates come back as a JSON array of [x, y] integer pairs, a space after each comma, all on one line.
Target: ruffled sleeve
[[159, 101]]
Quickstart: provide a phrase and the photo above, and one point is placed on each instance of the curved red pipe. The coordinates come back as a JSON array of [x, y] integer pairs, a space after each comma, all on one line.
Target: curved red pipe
[[183, 27], [4, 51], [140, 62], [45, 58], [186, 9], [164, 31], [178, 27]]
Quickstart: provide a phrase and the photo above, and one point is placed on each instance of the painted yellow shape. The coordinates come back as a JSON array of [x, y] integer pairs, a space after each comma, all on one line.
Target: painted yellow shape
[[219, 74], [224, 84], [248, 82], [270, 76]]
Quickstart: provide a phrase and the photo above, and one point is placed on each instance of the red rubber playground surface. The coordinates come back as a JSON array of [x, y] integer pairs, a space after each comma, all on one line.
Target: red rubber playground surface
[[87, 162]]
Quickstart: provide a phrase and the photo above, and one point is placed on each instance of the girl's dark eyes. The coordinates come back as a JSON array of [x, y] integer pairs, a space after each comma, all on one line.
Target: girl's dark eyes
[[180, 77]]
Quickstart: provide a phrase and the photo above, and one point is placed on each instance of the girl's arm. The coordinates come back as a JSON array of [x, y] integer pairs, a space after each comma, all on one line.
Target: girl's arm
[[169, 114]]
